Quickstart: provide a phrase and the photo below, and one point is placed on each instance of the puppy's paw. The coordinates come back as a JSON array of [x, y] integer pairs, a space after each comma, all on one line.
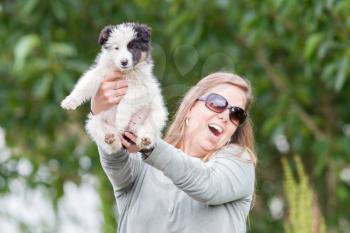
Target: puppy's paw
[[109, 138], [69, 103], [112, 144], [145, 141]]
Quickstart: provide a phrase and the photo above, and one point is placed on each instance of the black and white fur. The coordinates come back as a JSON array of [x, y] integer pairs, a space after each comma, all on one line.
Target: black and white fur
[[125, 47]]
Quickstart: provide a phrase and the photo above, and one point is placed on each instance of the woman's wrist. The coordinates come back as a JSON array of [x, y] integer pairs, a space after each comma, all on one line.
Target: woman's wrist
[[145, 153], [93, 107]]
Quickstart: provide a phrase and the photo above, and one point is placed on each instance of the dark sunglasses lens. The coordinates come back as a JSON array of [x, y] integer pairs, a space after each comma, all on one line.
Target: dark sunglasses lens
[[238, 114], [216, 103]]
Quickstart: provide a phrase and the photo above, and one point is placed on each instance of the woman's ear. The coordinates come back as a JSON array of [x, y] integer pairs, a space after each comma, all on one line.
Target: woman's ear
[[187, 117], [189, 113]]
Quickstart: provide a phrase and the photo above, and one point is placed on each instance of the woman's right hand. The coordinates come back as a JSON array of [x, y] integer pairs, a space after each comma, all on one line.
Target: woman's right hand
[[112, 89]]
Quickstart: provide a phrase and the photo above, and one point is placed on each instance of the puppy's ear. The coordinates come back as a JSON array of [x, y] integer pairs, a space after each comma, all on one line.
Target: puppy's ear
[[104, 34], [143, 32]]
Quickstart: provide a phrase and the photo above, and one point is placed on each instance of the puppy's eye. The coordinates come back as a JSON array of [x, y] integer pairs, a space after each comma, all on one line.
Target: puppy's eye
[[116, 48]]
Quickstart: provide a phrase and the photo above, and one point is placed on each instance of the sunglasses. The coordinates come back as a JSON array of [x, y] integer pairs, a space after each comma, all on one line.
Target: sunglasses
[[219, 104]]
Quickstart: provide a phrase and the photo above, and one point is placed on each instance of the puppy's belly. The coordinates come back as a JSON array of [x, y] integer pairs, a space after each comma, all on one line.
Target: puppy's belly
[[109, 116]]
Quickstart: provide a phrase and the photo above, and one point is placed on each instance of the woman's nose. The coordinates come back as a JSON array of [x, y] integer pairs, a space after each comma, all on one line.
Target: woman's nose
[[224, 116]]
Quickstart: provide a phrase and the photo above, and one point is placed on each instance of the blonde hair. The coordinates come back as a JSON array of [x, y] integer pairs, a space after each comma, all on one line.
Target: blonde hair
[[244, 133]]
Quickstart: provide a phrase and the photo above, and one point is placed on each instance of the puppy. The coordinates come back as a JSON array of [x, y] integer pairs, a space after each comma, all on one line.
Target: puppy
[[125, 47]]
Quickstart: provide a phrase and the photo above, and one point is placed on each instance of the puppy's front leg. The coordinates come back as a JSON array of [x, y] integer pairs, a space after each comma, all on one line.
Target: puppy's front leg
[[83, 90]]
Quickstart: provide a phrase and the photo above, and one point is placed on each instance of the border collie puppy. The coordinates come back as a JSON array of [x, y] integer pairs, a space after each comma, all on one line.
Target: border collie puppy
[[125, 47]]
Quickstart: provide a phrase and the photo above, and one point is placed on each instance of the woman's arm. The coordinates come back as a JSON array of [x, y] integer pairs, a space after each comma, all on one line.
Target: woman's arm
[[229, 176], [121, 169]]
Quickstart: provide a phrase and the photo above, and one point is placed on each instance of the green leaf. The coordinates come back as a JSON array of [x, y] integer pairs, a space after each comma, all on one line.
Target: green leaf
[[63, 49], [342, 73], [177, 22], [342, 192], [28, 7], [42, 86], [66, 81], [328, 71], [320, 149], [24, 46], [196, 33], [58, 10], [311, 44]]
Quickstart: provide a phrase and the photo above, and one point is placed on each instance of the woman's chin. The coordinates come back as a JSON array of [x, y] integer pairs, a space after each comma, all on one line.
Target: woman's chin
[[208, 145], [204, 145]]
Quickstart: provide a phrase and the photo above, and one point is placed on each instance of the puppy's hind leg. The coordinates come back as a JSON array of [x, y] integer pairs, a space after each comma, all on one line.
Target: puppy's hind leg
[[146, 135], [103, 134]]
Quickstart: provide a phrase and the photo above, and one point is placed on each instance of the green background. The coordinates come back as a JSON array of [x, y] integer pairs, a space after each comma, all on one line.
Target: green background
[[295, 53]]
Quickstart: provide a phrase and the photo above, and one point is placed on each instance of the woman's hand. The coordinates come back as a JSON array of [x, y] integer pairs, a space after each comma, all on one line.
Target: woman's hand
[[128, 139], [111, 91]]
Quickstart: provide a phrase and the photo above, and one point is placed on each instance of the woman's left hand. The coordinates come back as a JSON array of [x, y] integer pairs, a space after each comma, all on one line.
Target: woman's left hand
[[128, 140]]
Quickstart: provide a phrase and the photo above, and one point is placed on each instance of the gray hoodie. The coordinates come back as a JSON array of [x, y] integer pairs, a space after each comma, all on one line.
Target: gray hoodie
[[174, 192]]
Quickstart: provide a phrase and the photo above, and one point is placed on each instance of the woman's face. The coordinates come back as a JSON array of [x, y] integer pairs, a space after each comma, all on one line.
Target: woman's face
[[200, 136]]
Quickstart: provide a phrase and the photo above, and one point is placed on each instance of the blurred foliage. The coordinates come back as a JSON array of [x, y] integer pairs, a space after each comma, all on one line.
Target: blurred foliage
[[303, 212], [296, 55]]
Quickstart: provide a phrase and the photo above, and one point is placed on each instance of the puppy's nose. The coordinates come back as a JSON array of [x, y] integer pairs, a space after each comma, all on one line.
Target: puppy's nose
[[124, 62]]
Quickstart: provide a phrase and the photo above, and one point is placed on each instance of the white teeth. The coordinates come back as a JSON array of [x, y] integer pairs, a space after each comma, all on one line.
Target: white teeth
[[218, 128]]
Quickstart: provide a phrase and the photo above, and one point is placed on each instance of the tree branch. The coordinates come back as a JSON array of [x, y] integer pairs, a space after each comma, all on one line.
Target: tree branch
[[281, 86]]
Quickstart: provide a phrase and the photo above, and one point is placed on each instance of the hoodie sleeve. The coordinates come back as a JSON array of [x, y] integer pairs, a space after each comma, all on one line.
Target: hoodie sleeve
[[228, 176], [121, 169]]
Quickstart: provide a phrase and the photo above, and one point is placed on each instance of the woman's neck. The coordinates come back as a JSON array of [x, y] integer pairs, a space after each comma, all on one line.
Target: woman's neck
[[192, 149]]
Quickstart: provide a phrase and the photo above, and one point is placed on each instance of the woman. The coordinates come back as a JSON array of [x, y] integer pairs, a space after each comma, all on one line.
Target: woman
[[200, 178]]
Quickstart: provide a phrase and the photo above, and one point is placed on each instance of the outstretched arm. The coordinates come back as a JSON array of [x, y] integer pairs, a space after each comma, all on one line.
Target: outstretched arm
[[229, 176]]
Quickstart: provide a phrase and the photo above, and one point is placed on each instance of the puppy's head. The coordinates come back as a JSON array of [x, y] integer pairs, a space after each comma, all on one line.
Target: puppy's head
[[128, 44]]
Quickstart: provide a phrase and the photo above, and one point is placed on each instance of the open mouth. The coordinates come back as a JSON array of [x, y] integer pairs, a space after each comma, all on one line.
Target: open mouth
[[215, 130]]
